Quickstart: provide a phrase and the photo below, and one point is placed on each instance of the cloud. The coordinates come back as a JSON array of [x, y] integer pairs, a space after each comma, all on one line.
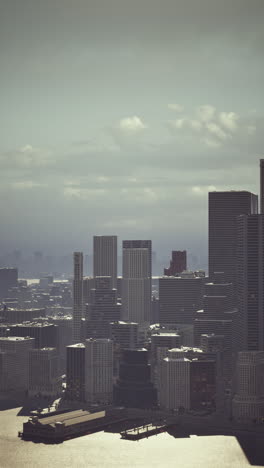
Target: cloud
[[202, 190], [205, 113], [216, 128], [131, 125], [26, 185], [27, 157], [216, 131], [229, 120]]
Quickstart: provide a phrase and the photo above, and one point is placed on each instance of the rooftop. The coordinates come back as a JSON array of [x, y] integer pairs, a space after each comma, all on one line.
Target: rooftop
[[15, 338], [71, 418]]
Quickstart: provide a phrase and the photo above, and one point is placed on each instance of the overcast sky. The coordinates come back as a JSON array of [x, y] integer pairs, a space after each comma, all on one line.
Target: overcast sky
[[118, 116]]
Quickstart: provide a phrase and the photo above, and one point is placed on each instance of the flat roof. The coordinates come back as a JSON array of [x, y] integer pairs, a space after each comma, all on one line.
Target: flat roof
[[16, 338], [71, 418], [166, 334]]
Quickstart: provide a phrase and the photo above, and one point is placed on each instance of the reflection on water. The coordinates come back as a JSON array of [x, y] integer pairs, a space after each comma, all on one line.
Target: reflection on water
[[105, 449]]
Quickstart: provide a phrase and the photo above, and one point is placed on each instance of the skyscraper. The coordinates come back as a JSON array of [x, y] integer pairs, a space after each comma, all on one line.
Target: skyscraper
[[8, 279], [136, 283], [261, 186], [178, 263], [102, 309], [250, 282], [14, 362], [105, 257], [99, 371], [224, 207], [248, 402], [77, 296], [179, 298], [75, 373]]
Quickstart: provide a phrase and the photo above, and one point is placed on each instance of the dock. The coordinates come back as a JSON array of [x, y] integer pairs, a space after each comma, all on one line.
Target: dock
[[144, 431]]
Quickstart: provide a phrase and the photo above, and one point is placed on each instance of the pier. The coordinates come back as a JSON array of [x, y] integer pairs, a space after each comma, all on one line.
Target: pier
[[144, 431]]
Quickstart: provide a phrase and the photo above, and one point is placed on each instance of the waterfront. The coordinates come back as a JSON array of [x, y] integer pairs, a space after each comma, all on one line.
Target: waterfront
[[105, 449]]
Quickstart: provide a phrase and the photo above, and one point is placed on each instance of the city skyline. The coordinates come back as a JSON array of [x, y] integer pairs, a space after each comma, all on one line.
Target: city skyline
[[132, 233]]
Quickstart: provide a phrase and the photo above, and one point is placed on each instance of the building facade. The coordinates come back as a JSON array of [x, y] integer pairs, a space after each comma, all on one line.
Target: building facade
[[250, 282], [105, 257], [136, 282], [77, 296], [224, 207], [99, 371]]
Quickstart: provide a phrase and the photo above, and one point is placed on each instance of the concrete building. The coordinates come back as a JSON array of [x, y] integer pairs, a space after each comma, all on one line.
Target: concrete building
[[186, 381], [178, 263], [134, 388], [248, 402], [124, 334], [105, 257], [77, 296], [179, 298], [14, 363], [44, 372], [164, 339], [45, 333], [136, 282], [102, 309], [8, 279], [261, 162], [161, 340], [99, 371], [250, 282], [64, 329], [224, 207], [75, 373], [88, 285], [18, 315]]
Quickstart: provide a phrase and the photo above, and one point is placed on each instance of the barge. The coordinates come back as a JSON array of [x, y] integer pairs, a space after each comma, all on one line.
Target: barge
[[144, 431]]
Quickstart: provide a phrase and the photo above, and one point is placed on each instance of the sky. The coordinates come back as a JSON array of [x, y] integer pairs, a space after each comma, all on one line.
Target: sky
[[117, 117]]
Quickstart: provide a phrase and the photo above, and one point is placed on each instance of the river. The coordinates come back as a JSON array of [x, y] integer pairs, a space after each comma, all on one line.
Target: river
[[108, 450]]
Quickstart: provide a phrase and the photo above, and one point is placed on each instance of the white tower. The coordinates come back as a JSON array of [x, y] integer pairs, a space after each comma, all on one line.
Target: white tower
[[136, 283]]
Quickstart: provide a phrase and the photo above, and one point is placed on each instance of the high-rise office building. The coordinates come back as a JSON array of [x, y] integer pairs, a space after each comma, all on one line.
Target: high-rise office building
[[262, 186], [77, 296], [15, 315], [224, 207], [136, 282], [88, 285], [178, 263], [102, 309], [124, 334], [14, 362], [134, 388], [179, 298], [99, 371], [75, 372], [45, 333], [64, 328], [250, 282], [248, 402], [187, 380], [8, 279], [43, 372], [105, 257]]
